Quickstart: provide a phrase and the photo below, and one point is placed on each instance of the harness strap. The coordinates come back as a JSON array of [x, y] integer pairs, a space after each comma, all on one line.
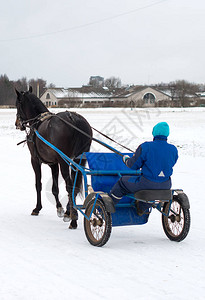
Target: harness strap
[[92, 138], [41, 117], [106, 136], [44, 116], [47, 115], [21, 142]]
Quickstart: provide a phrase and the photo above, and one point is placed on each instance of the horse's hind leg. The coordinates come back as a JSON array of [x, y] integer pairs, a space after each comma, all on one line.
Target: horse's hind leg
[[55, 189], [78, 183], [71, 213]]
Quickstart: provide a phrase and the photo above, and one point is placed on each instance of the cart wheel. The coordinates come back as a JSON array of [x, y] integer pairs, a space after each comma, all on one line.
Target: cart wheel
[[176, 225], [98, 228]]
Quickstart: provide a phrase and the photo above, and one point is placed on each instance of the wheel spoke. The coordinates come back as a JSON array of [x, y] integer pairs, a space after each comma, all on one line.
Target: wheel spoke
[[98, 228], [176, 221]]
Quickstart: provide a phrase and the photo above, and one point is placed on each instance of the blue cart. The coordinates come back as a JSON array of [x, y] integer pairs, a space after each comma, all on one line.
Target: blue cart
[[99, 211]]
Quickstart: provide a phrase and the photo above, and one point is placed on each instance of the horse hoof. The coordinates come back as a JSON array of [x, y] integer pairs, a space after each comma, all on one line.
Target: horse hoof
[[73, 225], [34, 213], [60, 212], [66, 218]]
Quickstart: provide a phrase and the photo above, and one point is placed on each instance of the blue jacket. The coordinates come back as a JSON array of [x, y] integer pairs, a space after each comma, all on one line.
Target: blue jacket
[[156, 159]]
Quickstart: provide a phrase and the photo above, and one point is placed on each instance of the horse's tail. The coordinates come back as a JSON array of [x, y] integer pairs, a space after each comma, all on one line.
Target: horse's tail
[[82, 144], [79, 180]]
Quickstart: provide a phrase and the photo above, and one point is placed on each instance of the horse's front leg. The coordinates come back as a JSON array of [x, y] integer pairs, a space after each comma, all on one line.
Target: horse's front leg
[[55, 189], [37, 169]]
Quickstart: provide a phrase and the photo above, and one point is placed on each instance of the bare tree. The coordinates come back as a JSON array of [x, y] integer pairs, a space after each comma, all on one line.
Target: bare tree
[[183, 91], [38, 86], [21, 84], [113, 82], [51, 86]]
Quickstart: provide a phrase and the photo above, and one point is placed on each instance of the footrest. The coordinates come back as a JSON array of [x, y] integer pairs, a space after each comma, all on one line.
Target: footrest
[[151, 195]]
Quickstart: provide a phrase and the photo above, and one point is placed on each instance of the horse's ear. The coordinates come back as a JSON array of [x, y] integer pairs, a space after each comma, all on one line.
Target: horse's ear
[[17, 93], [30, 89]]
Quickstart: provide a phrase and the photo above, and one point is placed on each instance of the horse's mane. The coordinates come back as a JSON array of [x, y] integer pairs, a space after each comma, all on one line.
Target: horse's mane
[[36, 103]]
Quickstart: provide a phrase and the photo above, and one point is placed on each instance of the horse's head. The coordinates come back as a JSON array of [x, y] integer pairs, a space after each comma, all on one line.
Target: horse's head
[[21, 115], [29, 107]]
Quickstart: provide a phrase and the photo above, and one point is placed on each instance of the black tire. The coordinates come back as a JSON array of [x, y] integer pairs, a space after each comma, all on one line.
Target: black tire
[[98, 228], [176, 226]]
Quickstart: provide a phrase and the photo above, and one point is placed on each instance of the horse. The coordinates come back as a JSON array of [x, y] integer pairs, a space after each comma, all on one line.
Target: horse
[[56, 129]]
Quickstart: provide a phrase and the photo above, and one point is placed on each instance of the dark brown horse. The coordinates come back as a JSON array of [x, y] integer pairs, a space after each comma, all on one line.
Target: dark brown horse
[[55, 129]]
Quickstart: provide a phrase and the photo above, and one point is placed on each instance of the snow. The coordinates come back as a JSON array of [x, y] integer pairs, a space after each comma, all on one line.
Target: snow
[[40, 258]]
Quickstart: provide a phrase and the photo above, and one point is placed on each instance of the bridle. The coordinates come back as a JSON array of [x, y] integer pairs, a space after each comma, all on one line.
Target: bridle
[[20, 123], [20, 116], [21, 119], [24, 123]]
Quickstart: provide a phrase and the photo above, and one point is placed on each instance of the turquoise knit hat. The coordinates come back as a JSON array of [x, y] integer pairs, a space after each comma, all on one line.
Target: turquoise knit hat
[[161, 128]]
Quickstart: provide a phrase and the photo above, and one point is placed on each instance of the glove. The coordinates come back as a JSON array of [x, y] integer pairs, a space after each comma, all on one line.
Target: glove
[[125, 157]]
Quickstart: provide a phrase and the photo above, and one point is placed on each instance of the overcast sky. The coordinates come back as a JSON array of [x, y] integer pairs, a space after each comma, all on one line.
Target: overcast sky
[[139, 41]]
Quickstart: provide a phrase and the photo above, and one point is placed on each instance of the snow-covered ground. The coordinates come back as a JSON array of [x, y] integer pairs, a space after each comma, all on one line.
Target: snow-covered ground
[[40, 258]]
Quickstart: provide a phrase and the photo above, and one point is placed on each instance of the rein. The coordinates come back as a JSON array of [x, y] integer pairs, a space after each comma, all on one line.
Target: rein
[[109, 138], [47, 115], [94, 139], [41, 117]]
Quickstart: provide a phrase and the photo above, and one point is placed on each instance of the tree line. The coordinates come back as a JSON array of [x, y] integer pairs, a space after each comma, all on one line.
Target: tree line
[[7, 88], [180, 89]]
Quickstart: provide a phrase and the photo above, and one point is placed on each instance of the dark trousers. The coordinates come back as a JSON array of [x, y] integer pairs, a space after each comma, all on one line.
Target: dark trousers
[[131, 184]]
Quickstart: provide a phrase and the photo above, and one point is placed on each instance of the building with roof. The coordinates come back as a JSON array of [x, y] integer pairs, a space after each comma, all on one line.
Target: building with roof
[[135, 96], [143, 96], [86, 95], [96, 81]]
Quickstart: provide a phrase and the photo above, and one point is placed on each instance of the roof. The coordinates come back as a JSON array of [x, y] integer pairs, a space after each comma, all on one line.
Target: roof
[[200, 94], [89, 92], [138, 88], [58, 92], [82, 92]]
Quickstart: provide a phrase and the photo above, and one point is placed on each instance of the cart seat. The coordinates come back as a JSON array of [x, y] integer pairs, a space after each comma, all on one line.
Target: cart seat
[[106, 169], [152, 195]]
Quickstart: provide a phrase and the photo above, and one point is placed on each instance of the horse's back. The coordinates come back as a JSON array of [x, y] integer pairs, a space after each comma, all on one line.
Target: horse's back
[[73, 118], [60, 130]]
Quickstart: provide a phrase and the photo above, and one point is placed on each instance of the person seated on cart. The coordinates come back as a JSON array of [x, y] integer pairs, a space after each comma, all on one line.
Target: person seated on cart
[[155, 159]]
